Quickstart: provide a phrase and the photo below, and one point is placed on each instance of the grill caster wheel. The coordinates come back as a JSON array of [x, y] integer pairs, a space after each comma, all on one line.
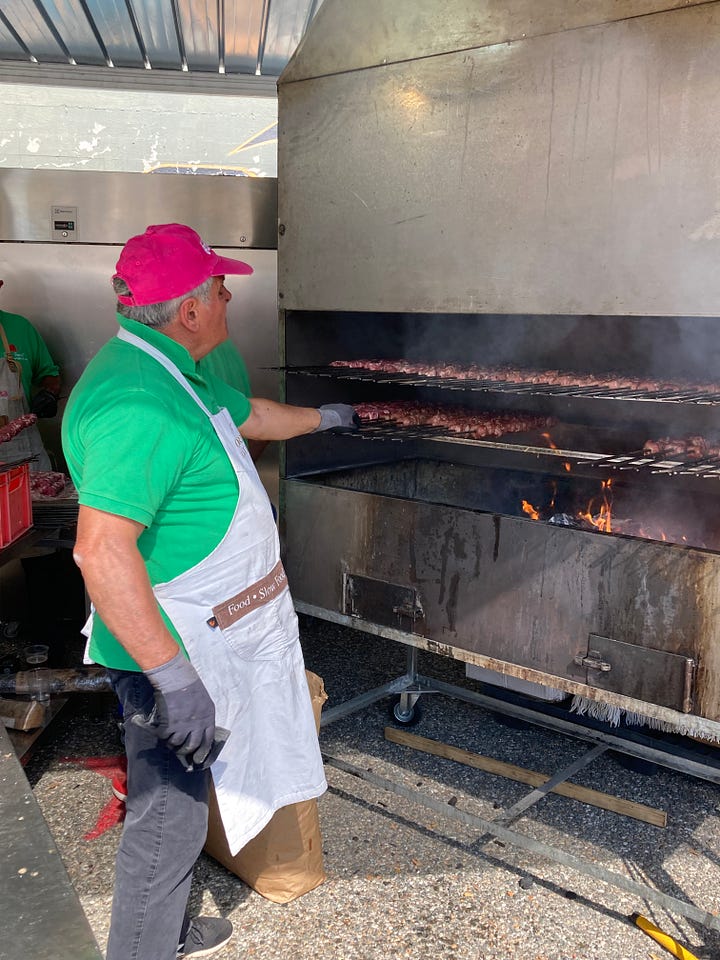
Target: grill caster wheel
[[405, 718]]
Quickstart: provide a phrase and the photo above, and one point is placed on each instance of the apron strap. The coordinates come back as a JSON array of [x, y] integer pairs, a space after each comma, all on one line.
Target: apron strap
[[165, 362], [12, 361]]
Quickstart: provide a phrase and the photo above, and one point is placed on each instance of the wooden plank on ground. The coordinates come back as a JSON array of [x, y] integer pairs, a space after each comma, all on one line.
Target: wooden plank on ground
[[628, 808]]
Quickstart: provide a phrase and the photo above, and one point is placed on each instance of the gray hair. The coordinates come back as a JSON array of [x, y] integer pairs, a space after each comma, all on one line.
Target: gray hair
[[157, 314]]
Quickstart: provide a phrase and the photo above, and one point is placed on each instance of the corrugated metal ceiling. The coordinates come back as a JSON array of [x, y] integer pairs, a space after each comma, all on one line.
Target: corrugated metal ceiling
[[206, 38]]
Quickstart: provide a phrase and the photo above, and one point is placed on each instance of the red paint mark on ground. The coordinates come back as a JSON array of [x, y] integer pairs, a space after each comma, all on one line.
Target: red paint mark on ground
[[110, 816], [111, 768]]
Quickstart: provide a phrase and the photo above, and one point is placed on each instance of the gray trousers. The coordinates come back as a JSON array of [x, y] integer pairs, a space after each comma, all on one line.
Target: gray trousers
[[164, 832]]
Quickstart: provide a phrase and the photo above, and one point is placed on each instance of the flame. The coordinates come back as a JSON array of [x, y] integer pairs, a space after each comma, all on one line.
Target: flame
[[598, 512], [600, 515], [554, 446]]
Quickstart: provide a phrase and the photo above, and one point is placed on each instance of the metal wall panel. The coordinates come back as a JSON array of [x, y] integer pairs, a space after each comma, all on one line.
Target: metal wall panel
[[243, 29], [115, 27], [69, 19], [10, 48], [287, 22], [201, 31], [26, 19], [352, 36], [574, 173], [156, 23], [188, 37], [64, 288], [227, 211]]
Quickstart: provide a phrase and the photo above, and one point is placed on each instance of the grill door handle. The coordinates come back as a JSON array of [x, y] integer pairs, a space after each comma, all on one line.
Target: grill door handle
[[593, 661]]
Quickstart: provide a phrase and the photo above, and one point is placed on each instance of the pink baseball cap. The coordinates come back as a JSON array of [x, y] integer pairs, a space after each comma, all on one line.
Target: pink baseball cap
[[168, 260]]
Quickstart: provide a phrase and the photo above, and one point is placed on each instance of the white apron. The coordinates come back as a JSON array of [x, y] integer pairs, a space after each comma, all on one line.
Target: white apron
[[13, 404], [237, 620]]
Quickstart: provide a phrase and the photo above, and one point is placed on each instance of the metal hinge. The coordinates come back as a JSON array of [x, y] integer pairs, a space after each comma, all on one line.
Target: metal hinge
[[593, 661]]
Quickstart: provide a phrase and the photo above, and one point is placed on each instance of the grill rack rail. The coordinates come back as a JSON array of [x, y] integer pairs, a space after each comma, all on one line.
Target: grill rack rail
[[393, 431], [505, 386], [708, 467], [660, 464]]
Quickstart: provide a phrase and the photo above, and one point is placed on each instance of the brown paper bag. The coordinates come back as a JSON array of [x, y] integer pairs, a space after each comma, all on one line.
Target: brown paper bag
[[284, 860]]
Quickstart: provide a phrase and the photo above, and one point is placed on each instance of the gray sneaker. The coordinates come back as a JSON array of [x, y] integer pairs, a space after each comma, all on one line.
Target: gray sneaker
[[205, 936]]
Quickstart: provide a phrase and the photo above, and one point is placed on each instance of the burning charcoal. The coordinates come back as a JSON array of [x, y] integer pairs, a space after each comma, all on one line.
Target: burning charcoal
[[564, 520]]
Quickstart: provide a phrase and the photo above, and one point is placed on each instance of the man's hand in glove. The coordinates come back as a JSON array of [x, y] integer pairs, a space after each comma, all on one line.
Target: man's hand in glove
[[184, 715], [337, 415], [44, 404]]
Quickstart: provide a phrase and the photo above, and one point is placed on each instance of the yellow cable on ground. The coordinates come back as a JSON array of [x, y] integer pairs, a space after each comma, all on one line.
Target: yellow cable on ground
[[664, 939]]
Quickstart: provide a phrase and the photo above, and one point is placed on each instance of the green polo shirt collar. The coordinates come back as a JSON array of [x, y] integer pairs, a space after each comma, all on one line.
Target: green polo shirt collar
[[172, 350]]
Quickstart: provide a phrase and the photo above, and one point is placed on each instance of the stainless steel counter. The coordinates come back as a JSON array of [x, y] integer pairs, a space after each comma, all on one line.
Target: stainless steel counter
[[42, 916]]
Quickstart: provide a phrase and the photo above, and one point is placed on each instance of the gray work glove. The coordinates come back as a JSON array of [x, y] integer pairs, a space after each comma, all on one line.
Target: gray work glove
[[184, 715], [337, 415]]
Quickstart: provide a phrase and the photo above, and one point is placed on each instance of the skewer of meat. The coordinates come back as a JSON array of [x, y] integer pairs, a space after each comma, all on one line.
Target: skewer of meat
[[688, 448], [16, 426], [47, 483], [453, 419], [515, 375]]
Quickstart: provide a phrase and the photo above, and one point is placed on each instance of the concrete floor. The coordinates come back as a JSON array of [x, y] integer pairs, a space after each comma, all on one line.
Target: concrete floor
[[404, 881]]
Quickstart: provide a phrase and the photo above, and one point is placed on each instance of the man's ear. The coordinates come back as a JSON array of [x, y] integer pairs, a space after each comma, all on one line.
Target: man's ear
[[188, 314]]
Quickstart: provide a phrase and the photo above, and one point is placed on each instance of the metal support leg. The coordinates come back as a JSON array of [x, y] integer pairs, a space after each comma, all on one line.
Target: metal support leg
[[405, 709]]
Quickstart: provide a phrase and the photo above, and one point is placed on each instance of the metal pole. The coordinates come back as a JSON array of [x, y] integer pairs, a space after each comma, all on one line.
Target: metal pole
[[533, 846]]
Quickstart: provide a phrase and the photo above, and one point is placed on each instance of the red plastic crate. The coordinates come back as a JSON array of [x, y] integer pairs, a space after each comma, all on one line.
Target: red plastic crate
[[15, 503]]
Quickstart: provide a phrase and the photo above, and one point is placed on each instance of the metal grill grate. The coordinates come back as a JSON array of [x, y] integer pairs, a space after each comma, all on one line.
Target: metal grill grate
[[508, 386], [708, 467], [389, 430]]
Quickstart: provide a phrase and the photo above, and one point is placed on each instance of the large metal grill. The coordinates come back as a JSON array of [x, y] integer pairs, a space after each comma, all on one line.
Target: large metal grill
[[472, 198]]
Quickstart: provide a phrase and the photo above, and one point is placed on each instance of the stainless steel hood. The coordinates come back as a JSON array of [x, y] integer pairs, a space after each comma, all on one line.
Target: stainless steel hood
[[502, 158]]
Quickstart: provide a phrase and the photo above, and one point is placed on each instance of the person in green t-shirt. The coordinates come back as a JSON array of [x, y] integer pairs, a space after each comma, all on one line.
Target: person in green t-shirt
[[29, 382], [180, 557]]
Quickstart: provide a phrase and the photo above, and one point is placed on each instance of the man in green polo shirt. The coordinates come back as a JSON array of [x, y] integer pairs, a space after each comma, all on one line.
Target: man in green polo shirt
[[180, 556]]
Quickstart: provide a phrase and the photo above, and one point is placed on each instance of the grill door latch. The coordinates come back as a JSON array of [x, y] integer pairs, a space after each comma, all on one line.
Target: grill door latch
[[410, 609], [593, 661], [390, 604]]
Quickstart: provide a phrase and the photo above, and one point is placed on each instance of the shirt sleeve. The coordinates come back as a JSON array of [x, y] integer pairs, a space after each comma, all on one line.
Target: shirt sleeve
[[236, 403], [147, 449]]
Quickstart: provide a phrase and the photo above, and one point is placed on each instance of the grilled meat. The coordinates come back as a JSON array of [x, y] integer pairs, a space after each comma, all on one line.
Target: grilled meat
[[12, 429], [508, 374], [452, 419]]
